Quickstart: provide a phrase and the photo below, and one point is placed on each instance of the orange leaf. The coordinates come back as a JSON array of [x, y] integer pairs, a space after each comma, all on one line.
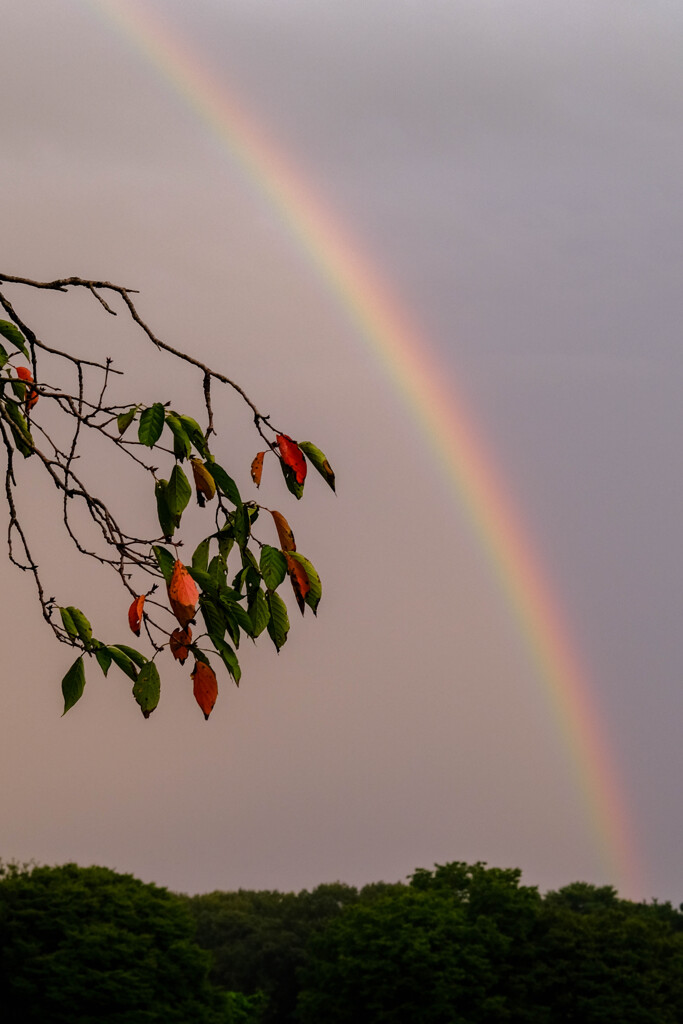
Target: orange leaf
[[292, 456], [179, 641], [205, 687], [300, 583], [24, 373], [257, 468], [135, 614], [287, 542], [203, 481], [183, 594]]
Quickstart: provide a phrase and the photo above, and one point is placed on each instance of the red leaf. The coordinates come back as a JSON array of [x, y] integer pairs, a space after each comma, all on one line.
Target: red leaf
[[135, 614], [183, 594], [300, 584], [24, 373], [205, 687], [292, 456], [257, 468], [179, 642], [287, 542]]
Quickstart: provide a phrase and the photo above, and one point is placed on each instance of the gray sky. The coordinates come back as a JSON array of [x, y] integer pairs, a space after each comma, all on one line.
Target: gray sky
[[513, 171]]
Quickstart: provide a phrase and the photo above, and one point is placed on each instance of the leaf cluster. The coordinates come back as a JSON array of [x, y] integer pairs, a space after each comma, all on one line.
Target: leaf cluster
[[230, 588]]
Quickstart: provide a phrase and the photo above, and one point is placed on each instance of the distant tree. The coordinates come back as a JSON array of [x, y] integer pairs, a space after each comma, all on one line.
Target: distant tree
[[469, 944], [89, 946], [409, 956], [604, 959], [55, 409], [259, 940], [243, 1009]]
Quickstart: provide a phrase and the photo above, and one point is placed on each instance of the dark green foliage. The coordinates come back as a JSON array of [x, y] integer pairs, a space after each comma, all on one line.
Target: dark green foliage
[[470, 944], [460, 944], [604, 959], [89, 946], [259, 939], [246, 1009], [411, 956]]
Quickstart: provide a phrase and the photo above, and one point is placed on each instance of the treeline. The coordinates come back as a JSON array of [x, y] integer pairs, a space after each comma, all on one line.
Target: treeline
[[461, 944]]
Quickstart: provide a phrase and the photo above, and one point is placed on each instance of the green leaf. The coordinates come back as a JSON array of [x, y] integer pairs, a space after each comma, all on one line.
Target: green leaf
[[166, 520], [182, 448], [82, 625], [203, 579], [293, 484], [200, 558], [68, 622], [278, 624], [19, 389], [195, 434], [151, 424], [232, 625], [319, 460], [124, 420], [165, 561], [13, 334], [103, 658], [147, 688], [131, 653], [224, 483], [241, 526], [123, 662], [215, 622], [73, 684], [178, 492], [313, 596], [19, 427], [217, 570], [249, 561], [259, 613], [3, 356], [237, 618], [238, 581], [229, 658], [226, 540], [273, 566]]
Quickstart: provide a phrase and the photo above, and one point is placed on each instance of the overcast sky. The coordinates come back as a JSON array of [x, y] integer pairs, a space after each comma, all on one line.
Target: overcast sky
[[512, 170]]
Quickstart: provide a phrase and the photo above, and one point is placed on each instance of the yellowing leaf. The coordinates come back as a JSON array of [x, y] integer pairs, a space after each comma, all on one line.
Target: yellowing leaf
[[314, 594], [300, 584], [124, 419], [257, 468], [287, 542], [319, 460], [203, 481]]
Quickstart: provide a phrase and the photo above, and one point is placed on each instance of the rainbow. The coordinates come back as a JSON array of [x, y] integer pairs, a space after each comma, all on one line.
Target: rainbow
[[440, 413]]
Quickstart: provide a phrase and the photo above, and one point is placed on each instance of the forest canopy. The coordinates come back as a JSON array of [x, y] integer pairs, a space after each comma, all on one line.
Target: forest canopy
[[460, 942]]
